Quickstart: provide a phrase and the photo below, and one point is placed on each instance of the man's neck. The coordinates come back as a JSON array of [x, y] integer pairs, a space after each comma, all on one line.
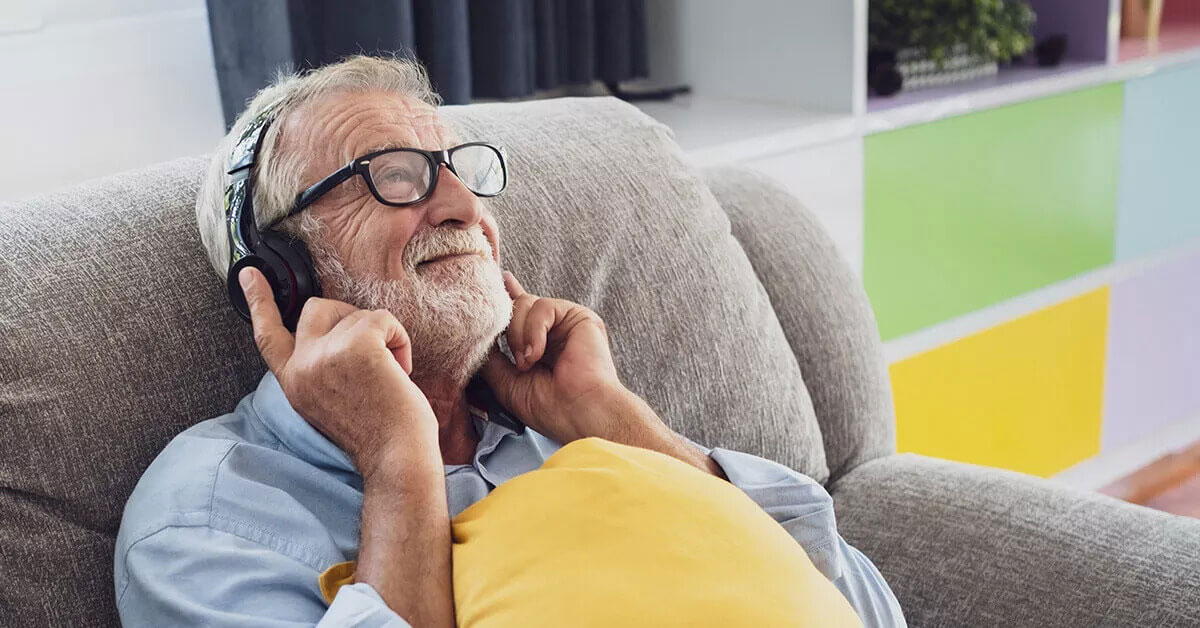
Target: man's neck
[[456, 434]]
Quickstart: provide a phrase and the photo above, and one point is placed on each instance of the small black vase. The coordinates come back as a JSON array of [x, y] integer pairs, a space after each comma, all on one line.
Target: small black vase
[[883, 79]]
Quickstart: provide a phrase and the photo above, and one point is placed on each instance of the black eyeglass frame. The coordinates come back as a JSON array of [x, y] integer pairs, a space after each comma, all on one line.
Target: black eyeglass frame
[[362, 167]]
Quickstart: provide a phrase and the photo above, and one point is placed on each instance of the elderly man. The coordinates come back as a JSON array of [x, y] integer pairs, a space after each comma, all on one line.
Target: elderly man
[[372, 430]]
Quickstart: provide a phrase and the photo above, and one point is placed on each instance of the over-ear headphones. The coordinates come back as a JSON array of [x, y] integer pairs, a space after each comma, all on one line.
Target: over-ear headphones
[[281, 257]]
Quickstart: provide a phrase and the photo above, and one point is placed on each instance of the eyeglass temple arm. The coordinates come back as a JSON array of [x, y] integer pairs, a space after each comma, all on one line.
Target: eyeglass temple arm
[[320, 188]]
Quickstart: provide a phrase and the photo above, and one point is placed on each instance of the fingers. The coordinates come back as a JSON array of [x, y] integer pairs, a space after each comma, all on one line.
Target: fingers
[[395, 337], [542, 316], [274, 341], [381, 326], [320, 316], [513, 286], [538, 322], [500, 376], [516, 328], [518, 339]]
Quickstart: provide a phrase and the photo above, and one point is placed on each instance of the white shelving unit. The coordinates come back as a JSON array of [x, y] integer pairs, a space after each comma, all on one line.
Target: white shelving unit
[[780, 86], [731, 54], [716, 130], [740, 109], [817, 154]]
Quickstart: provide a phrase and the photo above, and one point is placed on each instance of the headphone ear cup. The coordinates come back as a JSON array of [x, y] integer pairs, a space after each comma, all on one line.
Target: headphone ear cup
[[286, 264], [297, 279], [277, 276]]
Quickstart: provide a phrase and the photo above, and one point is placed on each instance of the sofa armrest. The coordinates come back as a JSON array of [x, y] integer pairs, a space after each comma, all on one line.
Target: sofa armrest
[[824, 312], [965, 545]]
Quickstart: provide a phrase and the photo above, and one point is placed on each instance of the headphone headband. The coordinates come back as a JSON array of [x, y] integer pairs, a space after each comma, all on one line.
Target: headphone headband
[[239, 197], [283, 259]]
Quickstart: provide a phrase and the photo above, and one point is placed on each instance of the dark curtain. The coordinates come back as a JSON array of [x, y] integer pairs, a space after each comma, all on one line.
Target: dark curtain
[[472, 48]]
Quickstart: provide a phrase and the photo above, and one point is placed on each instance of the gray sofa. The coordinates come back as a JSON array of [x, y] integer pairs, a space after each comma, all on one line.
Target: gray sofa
[[729, 311]]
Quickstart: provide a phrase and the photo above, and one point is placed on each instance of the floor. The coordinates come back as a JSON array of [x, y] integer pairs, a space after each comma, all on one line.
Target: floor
[[1171, 483]]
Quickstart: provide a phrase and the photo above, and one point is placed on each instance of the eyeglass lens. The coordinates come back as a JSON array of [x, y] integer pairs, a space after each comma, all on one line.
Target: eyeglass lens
[[480, 168], [404, 177]]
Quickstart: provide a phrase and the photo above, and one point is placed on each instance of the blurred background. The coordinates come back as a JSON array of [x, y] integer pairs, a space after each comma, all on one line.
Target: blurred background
[[1014, 180]]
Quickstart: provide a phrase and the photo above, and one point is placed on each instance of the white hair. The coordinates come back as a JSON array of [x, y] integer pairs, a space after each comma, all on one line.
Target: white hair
[[277, 173]]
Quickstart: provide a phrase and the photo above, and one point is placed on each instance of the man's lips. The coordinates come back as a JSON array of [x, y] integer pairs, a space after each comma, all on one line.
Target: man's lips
[[451, 256]]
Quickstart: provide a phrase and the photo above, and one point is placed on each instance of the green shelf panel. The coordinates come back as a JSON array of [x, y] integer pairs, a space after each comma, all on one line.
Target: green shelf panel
[[969, 211]]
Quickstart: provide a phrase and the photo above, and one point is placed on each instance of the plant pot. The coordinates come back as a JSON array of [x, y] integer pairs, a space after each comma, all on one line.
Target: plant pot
[[919, 70]]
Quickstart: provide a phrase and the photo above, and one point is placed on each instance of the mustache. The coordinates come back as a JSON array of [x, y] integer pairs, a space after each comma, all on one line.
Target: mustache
[[437, 242]]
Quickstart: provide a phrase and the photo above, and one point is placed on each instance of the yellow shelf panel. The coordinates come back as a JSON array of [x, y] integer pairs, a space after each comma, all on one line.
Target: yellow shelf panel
[[1024, 395]]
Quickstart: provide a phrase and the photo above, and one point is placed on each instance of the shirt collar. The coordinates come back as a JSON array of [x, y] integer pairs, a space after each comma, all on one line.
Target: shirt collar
[[493, 424], [272, 408]]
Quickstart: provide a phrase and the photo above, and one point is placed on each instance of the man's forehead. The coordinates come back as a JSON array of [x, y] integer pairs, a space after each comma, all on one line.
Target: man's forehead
[[353, 124]]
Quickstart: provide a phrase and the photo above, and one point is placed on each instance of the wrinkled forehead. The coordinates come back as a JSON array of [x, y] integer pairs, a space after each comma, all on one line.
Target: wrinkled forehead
[[339, 127]]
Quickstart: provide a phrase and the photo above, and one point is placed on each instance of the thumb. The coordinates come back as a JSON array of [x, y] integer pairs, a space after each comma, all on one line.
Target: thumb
[[274, 341]]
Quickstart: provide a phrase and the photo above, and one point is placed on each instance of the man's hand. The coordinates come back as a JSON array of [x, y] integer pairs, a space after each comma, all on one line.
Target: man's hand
[[564, 384], [346, 372], [563, 365]]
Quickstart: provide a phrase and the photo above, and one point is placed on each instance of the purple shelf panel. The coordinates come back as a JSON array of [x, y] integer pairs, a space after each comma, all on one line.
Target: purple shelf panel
[[1085, 22], [1152, 374]]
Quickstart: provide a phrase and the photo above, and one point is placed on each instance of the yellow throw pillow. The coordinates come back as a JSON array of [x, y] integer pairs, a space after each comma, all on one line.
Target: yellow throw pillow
[[609, 535]]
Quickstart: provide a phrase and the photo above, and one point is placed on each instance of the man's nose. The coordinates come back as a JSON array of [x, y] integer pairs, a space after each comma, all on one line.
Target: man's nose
[[452, 202]]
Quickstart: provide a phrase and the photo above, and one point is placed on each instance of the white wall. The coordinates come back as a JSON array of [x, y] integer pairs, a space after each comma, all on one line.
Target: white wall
[[90, 88], [788, 52]]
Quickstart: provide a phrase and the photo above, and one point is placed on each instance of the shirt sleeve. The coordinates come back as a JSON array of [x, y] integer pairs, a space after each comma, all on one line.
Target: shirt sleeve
[[804, 508], [199, 576]]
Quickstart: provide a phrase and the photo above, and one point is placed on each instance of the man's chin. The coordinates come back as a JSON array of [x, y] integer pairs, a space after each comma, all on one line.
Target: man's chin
[[453, 311], [455, 341], [451, 359]]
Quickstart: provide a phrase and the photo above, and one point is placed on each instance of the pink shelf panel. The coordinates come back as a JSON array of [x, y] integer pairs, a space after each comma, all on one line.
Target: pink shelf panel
[[1171, 38]]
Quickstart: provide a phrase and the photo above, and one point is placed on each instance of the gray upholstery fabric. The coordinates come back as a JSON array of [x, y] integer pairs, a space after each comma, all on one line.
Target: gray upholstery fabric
[[95, 279], [602, 210], [824, 312], [114, 336], [964, 545], [114, 333]]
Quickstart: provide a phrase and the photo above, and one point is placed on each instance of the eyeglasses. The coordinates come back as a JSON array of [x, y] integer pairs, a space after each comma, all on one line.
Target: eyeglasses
[[405, 176]]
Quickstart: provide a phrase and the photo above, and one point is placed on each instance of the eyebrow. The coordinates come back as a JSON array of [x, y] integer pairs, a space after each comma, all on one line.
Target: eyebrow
[[374, 148]]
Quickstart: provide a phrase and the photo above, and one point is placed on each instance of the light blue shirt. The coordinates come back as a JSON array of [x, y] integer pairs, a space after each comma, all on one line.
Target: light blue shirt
[[234, 521]]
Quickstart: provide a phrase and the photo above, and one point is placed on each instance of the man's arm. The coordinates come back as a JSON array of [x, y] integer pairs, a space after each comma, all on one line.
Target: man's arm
[[564, 385], [201, 576], [254, 564], [622, 417], [805, 509], [404, 551], [390, 434]]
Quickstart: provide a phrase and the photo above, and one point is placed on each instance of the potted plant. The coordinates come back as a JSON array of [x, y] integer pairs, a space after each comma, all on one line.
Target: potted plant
[[918, 43]]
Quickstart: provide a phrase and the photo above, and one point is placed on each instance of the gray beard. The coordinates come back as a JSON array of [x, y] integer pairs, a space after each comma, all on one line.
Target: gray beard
[[452, 313]]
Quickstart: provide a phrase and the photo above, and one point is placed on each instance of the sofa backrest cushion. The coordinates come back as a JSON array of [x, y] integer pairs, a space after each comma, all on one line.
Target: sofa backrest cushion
[[115, 334]]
